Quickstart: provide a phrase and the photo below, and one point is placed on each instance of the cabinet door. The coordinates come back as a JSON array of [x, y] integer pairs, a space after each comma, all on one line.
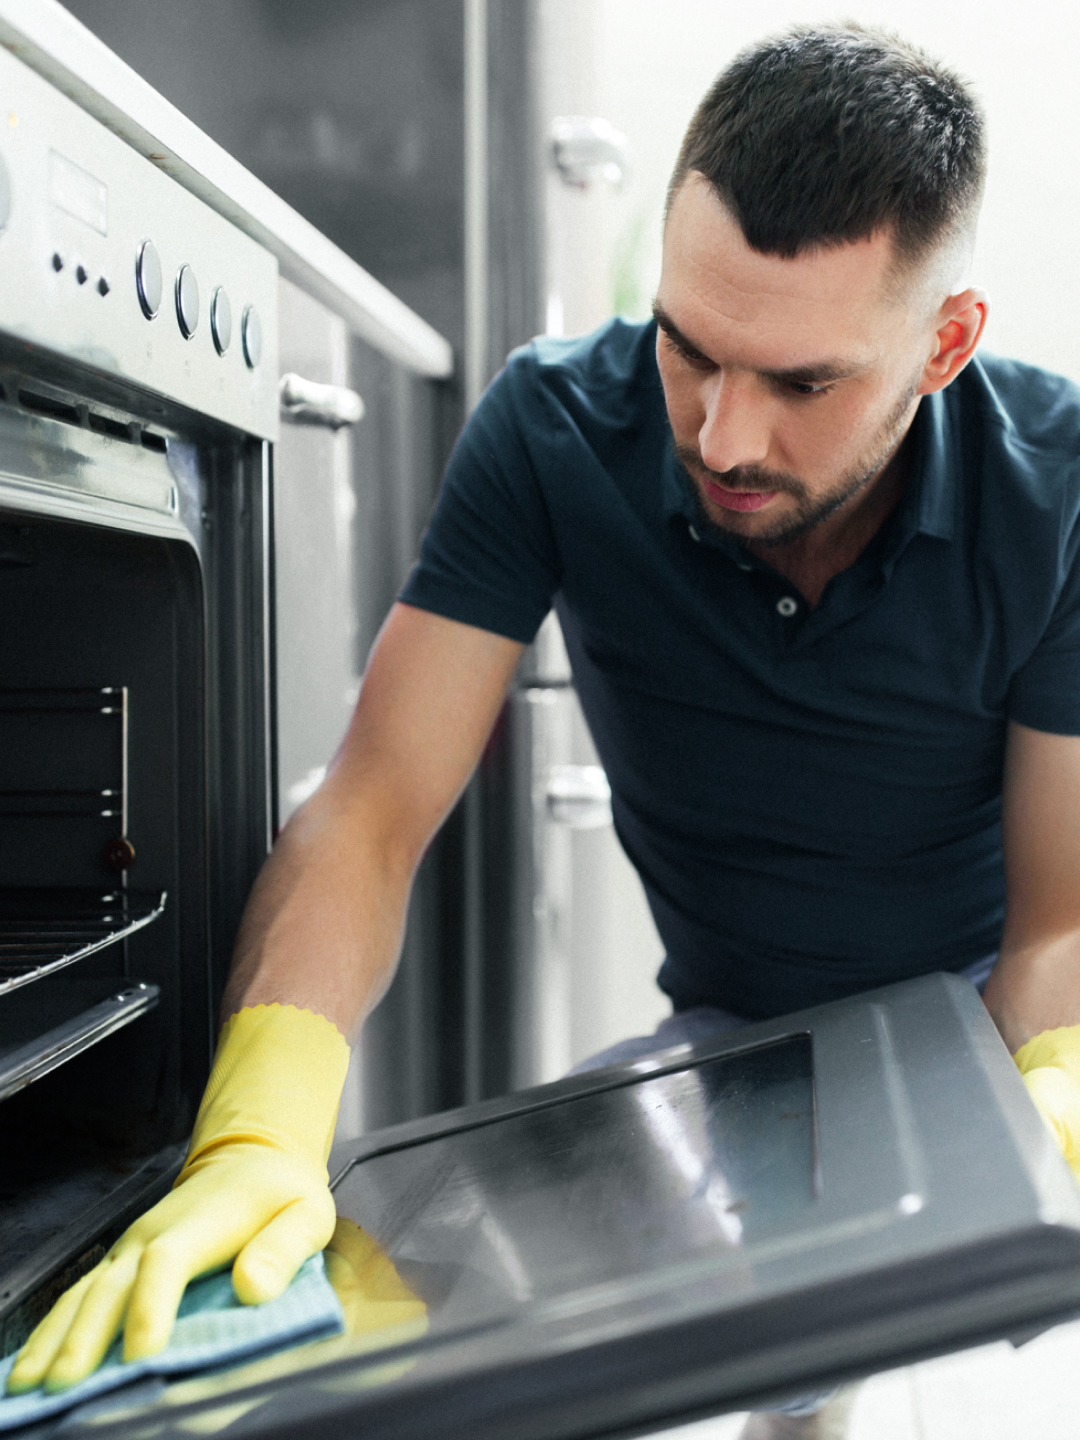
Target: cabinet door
[[586, 949], [316, 649]]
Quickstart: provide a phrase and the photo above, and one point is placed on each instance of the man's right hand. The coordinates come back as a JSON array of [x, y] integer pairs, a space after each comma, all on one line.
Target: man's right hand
[[253, 1189]]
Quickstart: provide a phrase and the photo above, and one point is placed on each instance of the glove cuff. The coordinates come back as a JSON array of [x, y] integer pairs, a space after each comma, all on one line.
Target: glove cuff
[[276, 1080]]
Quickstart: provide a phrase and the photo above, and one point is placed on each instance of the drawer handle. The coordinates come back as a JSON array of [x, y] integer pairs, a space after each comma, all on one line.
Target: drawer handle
[[307, 403], [579, 796]]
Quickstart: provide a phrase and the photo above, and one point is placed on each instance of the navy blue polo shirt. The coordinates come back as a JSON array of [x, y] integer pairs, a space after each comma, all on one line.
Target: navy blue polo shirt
[[811, 797]]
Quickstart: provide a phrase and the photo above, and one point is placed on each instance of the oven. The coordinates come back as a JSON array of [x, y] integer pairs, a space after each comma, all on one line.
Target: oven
[[138, 404]]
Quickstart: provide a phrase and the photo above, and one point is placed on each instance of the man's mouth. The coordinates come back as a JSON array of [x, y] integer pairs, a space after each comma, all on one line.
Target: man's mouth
[[743, 500]]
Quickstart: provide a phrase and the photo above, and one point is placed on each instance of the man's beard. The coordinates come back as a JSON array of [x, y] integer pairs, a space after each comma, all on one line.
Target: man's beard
[[810, 510]]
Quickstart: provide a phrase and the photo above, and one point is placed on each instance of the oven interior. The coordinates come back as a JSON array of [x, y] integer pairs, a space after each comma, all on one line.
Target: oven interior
[[133, 798]]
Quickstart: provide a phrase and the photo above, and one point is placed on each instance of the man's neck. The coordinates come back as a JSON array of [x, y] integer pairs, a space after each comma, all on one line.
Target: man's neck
[[812, 560]]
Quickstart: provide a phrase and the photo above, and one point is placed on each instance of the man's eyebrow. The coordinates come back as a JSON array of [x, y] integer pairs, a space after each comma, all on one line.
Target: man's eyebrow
[[821, 372], [672, 331]]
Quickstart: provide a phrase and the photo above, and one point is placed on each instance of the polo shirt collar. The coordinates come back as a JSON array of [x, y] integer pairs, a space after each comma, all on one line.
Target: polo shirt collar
[[935, 471]]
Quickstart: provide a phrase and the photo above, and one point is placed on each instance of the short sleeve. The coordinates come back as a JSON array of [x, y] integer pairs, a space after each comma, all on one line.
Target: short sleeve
[[489, 556], [1044, 693]]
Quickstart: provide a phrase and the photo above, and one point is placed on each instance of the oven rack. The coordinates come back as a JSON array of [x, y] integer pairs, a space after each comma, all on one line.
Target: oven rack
[[41, 931], [72, 1029]]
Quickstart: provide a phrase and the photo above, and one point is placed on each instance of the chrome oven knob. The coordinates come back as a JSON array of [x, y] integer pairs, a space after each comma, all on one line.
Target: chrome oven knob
[[221, 320], [187, 301], [251, 335], [148, 278]]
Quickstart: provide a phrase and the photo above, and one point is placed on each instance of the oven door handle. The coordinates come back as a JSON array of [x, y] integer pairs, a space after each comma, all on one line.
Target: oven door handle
[[307, 403]]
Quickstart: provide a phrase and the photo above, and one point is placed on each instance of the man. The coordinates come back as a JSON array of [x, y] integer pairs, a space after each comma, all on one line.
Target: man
[[816, 568]]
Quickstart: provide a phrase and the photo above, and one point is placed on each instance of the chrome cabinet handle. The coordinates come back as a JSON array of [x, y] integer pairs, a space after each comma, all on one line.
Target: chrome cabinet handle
[[579, 796], [307, 403], [586, 149]]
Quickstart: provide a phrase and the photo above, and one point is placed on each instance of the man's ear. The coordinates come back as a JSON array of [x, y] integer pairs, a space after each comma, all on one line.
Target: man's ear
[[958, 329]]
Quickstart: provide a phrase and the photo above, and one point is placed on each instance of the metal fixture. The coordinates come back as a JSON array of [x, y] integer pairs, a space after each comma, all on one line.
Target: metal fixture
[[587, 150], [148, 281], [579, 796], [21, 1064], [187, 301], [221, 320], [306, 403], [251, 337], [42, 931]]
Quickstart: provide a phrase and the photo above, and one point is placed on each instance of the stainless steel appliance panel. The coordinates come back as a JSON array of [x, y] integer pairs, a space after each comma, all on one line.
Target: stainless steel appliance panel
[[81, 209], [317, 661]]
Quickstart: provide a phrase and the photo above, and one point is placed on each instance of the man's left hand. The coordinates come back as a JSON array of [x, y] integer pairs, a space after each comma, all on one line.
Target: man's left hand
[[1050, 1065]]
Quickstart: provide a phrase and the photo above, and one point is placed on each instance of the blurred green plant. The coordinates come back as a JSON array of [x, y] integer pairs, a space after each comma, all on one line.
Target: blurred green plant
[[629, 296]]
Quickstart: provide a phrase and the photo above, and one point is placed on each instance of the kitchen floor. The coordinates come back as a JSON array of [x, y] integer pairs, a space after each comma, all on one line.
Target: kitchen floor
[[993, 1393]]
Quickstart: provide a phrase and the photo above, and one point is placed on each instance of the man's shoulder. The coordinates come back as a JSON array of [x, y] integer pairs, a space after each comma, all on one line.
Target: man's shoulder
[[609, 375], [1027, 411]]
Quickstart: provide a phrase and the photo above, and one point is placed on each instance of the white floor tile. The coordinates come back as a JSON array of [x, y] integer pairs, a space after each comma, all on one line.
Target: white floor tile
[[885, 1408], [994, 1392], [721, 1427], [968, 1396]]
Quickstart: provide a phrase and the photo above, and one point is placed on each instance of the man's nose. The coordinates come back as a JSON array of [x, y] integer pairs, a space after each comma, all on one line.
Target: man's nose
[[735, 430]]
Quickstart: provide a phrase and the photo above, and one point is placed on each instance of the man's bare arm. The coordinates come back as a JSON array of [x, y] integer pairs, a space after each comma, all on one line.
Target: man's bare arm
[[1036, 982], [323, 927]]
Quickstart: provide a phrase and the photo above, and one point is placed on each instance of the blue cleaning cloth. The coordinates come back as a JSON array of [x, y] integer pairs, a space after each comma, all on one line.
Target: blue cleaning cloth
[[212, 1329]]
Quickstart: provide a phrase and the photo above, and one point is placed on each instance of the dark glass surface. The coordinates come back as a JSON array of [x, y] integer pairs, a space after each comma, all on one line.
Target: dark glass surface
[[627, 1183]]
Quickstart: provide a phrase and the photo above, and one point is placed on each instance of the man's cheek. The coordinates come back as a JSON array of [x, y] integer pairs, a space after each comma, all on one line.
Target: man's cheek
[[686, 411]]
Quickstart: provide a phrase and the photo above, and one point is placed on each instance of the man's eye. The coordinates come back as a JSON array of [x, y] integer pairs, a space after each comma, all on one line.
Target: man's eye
[[806, 388], [692, 357]]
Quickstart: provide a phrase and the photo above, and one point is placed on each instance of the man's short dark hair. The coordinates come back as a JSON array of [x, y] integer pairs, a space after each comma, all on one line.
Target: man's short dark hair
[[829, 134]]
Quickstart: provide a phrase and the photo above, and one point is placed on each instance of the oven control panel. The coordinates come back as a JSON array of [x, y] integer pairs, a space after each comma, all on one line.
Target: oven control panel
[[106, 260]]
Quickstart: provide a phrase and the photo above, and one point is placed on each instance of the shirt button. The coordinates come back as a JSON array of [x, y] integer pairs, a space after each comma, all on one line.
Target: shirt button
[[693, 534], [787, 607], [743, 565]]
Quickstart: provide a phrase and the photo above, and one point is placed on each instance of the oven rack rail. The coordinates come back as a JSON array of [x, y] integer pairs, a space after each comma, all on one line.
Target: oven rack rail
[[41, 931], [22, 1062]]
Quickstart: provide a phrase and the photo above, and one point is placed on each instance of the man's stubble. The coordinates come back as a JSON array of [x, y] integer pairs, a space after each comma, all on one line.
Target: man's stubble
[[811, 510]]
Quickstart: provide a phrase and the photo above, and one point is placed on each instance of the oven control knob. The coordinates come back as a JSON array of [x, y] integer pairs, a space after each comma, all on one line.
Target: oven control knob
[[221, 320], [148, 279], [251, 335], [5, 194], [187, 301]]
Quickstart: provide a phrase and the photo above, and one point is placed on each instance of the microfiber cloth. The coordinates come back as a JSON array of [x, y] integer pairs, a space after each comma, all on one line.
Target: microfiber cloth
[[212, 1329]]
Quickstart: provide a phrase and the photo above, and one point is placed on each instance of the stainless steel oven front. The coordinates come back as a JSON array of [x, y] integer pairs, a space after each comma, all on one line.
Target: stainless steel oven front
[[138, 405]]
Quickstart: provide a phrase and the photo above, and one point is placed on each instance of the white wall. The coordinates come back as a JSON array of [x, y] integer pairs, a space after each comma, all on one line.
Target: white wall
[[644, 64]]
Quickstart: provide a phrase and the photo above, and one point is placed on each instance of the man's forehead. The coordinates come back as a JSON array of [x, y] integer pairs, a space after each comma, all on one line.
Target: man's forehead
[[712, 278]]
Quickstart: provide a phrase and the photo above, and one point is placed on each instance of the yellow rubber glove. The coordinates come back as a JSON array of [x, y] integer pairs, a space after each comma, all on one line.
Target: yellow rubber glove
[[380, 1311], [253, 1188], [373, 1295], [1050, 1065]]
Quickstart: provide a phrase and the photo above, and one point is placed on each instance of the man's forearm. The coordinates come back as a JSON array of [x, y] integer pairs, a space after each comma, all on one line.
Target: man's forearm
[[322, 928], [1035, 986]]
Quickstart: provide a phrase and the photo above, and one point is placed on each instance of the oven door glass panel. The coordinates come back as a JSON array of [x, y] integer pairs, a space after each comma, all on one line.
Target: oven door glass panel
[[604, 1188]]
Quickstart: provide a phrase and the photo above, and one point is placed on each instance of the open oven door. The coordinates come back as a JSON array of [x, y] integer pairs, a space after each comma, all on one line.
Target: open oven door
[[716, 1226]]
